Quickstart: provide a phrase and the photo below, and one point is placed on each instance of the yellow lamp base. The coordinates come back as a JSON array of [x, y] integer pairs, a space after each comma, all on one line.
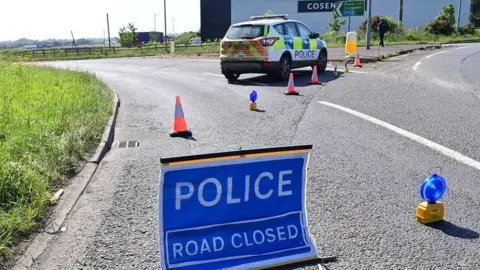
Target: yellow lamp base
[[253, 106], [430, 212], [345, 70]]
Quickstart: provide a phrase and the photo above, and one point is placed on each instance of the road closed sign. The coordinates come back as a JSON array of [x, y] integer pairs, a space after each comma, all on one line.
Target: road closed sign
[[235, 210]]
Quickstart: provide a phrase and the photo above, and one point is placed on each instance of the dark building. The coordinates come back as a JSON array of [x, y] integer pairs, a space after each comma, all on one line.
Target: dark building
[[144, 37], [217, 15], [215, 18]]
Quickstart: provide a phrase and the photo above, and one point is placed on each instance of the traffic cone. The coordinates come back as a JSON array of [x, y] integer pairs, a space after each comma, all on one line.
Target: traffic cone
[[357, 61], [180, 128], [291, 87], [314, 79], [345, 69]]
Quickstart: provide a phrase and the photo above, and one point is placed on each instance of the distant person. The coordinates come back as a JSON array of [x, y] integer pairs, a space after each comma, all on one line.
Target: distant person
[[382, 29]]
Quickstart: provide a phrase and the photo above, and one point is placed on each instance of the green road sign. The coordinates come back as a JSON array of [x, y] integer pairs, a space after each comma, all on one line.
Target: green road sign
[[350, 8]]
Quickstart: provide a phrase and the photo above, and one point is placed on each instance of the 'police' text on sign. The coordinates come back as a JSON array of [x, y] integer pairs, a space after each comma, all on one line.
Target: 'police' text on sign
[[231, 210]]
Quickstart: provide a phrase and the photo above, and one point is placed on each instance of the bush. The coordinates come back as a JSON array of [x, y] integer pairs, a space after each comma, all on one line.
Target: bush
[[393, 27], [444, 23], [468, 29], [185, 37], [334, 38]]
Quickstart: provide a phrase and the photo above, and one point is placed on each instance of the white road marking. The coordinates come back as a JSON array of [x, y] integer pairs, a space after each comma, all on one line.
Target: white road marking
[[433, 54], [435, 146], [212, 74], [463, 47], [416, 65]]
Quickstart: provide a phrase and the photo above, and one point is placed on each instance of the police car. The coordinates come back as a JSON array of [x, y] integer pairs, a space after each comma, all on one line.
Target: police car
[[270, 44]]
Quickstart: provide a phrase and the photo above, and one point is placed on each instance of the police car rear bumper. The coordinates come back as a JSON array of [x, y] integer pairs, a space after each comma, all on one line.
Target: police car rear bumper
[[248, 66]]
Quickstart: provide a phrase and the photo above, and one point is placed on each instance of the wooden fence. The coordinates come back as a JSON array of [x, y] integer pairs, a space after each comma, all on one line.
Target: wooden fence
[[107, 50]]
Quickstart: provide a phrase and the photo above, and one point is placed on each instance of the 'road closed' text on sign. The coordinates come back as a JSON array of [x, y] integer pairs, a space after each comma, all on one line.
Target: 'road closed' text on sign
[[240, 209]]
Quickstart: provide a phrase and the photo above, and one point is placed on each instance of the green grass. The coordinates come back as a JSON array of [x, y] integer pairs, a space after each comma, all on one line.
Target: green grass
[[119, 52], [410, 36], [49, 121]]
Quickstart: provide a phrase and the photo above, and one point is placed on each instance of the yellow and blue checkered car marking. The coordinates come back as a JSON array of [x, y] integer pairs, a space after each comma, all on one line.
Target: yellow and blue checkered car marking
[[301, 43]]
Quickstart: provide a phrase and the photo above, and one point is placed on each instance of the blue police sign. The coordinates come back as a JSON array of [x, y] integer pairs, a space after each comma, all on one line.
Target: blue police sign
[[235, 210]]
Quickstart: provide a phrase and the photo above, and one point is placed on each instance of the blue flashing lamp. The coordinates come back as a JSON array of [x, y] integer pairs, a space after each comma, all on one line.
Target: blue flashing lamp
[[336, 67], [433, 188], [346, 63], [253, 96]]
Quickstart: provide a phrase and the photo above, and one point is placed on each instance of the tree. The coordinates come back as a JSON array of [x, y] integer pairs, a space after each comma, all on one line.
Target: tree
[[336, 23], [475, 13], [153, 37], [444, 23], [133, 30], [269, 13], [128, 35]]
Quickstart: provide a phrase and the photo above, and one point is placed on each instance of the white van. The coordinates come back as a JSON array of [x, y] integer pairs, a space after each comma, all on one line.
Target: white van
[[195, 40]]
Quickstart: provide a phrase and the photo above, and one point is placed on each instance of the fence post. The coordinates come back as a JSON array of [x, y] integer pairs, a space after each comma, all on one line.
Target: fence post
[[113, 49], [43, 52], [77, 51]]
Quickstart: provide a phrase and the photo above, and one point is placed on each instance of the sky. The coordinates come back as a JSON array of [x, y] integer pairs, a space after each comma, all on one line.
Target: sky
[[45, 19]]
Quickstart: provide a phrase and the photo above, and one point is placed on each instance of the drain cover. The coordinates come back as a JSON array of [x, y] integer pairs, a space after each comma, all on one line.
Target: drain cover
[[127, 144]]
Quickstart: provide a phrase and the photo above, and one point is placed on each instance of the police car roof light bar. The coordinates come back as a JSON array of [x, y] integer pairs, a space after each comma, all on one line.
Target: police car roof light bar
[[283, 16]]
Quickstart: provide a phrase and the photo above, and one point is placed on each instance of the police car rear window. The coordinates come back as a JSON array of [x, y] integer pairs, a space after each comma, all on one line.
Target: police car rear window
[[245, 31]]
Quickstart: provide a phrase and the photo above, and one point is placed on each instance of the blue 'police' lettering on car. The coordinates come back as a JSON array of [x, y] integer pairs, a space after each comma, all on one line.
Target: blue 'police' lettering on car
[[305, 54]]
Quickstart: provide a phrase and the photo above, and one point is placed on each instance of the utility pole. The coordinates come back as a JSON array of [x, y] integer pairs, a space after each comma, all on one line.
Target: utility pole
[[165, 17], [74, 44], [155, 26], [369, 23], [459, 13], [400, 12], [108, 27]]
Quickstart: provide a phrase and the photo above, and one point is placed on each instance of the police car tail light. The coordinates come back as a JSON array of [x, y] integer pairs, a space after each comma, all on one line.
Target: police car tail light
[[268, 41]]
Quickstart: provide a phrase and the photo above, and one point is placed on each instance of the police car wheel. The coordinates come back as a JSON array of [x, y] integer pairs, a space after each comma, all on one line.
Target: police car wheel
[[231, 77], [322, 61], [285, 68]]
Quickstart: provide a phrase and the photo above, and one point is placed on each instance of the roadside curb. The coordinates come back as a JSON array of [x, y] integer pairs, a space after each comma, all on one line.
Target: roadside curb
[[72, 193], [388, 55]]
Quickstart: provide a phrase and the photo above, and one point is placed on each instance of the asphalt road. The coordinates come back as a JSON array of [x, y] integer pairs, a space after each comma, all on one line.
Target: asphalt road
[[363, 174]]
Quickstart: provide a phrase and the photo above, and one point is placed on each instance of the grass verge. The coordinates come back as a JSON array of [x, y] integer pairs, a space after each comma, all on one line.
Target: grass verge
[[49, 121], [410, 36], [49, 55]]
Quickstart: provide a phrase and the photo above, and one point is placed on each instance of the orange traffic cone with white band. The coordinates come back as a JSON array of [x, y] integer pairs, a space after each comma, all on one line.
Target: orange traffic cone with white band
[[314, 79], [180, 128], [291, 87], [357, 61]]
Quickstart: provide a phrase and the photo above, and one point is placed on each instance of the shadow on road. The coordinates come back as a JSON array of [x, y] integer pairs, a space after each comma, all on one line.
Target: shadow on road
[[453, 230], [259, 110], [301, 78]]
